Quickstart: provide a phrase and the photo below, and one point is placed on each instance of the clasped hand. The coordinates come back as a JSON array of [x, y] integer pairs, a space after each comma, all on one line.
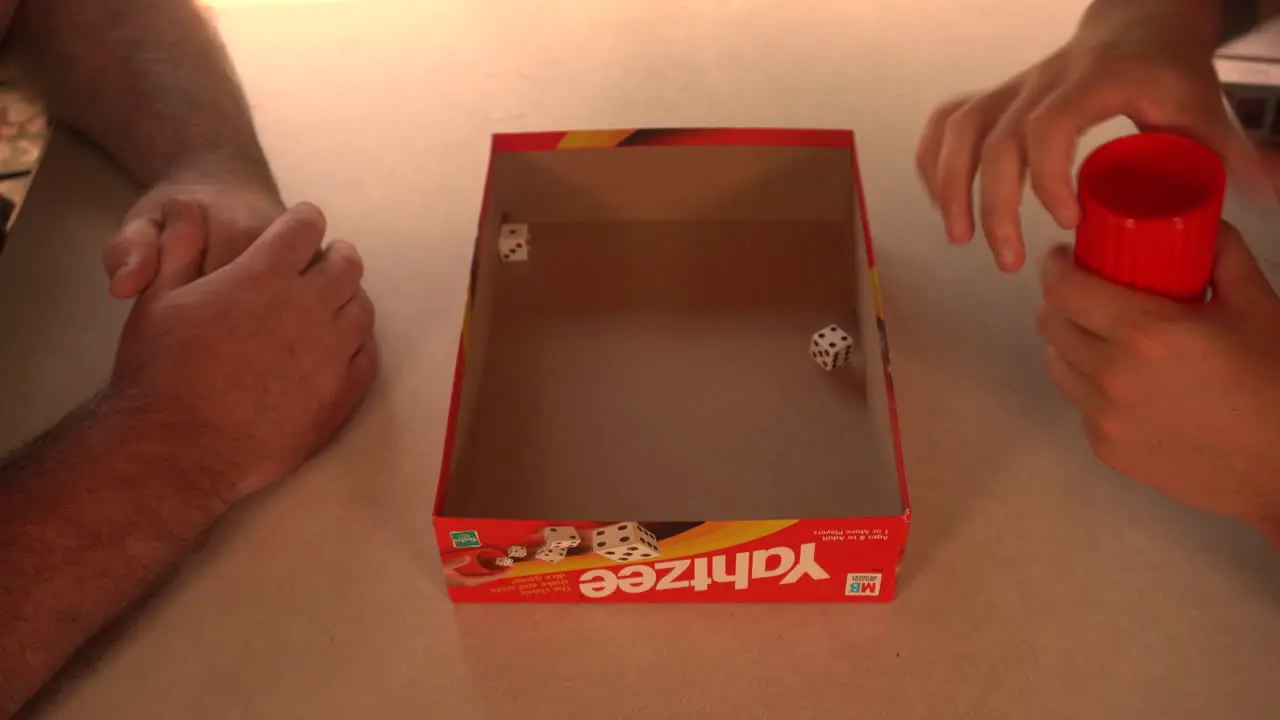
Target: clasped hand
[[248, 363]]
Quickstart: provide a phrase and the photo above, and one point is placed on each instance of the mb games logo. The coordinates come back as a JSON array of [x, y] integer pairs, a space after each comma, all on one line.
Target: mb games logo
[[862, 585]]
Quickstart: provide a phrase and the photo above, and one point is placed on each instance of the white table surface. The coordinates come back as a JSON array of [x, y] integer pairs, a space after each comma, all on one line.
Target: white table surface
[[1036, 584]]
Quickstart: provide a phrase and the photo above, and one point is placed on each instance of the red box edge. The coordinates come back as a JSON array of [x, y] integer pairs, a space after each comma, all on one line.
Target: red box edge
[[890, 571]]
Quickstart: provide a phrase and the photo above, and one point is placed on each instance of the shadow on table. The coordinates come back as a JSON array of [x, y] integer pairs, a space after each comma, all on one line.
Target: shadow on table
[[987, 438], [968, 372]]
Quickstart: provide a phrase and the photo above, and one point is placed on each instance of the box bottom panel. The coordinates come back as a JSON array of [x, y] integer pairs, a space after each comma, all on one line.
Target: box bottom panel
[[661, 370]]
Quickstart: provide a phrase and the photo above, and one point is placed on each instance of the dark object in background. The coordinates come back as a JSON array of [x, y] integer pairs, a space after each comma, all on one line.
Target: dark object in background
[[7, 208], [1248, 69], [1252, 112]]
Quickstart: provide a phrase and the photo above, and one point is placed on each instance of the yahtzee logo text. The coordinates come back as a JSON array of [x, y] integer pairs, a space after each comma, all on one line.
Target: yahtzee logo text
[[700, 573]]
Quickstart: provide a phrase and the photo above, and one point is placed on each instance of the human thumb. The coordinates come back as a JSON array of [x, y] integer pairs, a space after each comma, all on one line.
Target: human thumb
[[130, 258], [1237, 278], [181, 245]]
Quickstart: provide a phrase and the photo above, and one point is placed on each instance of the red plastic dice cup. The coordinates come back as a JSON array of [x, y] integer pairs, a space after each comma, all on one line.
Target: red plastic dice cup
[[1150, 208]]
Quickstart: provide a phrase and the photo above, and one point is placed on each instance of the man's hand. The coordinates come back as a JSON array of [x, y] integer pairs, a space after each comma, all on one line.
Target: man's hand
[[258, 363], [1184, 398], [222, 384], [233, 213], [1148, 60]]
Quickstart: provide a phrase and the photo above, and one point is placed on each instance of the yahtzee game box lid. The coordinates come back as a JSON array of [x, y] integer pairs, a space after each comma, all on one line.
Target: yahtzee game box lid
[[673, 380]]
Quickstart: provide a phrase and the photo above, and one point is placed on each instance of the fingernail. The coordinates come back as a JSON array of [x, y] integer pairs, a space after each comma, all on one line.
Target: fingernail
[[116, 285], [1007, 257], [123, 267], [1050, 353]]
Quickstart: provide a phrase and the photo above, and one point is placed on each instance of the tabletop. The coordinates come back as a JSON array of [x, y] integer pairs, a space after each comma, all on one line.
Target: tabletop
[[1037, 584]]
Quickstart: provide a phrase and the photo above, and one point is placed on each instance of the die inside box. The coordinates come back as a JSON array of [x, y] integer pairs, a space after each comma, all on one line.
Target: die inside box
[[673, 377]]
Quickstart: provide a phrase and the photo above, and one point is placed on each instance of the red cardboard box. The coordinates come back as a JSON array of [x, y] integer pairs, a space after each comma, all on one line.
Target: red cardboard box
[[638, 411]]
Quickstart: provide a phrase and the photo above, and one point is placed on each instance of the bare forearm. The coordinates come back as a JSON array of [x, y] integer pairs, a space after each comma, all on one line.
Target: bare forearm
[[147, 80], [1206, 24], [89, 517]]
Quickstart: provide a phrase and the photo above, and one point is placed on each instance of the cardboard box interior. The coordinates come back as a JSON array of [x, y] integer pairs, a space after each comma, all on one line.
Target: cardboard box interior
[[650, 361]]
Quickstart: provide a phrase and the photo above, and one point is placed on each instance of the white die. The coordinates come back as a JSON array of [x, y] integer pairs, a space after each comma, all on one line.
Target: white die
[[517, 551], [624, 542], [831, 347], [513, 242], [551, 555], [504, 562], [560, 536]]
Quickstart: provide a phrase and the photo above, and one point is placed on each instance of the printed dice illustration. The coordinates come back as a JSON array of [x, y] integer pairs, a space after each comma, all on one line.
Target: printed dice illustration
[[504, 562], [624, 542], [560, 536], [513, 242], [517, 552], [831, 347], [551, 555]]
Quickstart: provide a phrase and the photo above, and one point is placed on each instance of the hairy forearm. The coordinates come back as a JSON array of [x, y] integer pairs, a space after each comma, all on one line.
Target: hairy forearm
[[90, 516], [147, 80]]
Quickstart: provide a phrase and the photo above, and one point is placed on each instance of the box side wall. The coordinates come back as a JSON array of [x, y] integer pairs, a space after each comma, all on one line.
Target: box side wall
[[826, 560], [473, 348], [472, 345], [875, 337], [737, 184], [701, 137]]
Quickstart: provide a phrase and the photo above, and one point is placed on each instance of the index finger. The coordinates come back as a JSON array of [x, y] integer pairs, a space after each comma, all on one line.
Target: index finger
[[132, 256], [930, 144], [1089, 301], [1053, 132], [292, 241]]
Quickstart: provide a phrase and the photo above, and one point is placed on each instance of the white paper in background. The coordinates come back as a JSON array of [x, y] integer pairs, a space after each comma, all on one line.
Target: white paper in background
[[1261, 44]]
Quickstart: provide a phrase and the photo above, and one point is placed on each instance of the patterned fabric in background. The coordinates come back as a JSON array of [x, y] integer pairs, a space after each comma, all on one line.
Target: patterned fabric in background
[[23, 131]]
